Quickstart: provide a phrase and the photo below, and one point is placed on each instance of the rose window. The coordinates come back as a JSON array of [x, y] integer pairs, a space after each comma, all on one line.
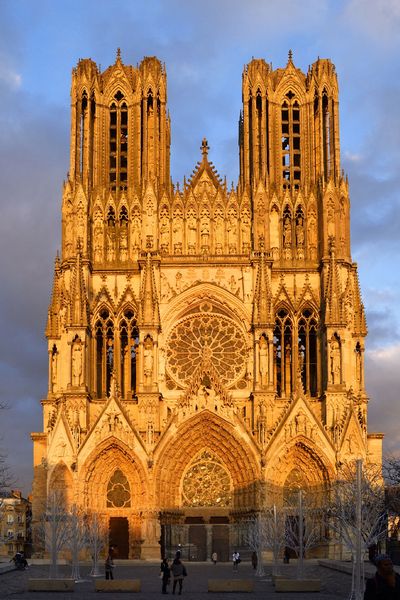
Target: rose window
[[206, 483], [118, 491], [206, 338]]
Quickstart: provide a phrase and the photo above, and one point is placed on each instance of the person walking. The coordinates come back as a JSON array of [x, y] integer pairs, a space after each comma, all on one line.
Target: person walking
[[165, 575], [235, 560], [254, 560], [109, 564], [214, 557], [385, 585], [179, 572]]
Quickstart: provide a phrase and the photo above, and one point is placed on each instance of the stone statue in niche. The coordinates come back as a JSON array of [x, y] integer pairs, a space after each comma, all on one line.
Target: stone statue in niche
[[98, 241], [110, 243], [205, 231], [123, 242], [300, 231], [191, 234], [263, 361], [232, 233], [177, 232], [136, 229], [164, 235], [335, 367], [80, 223], [148, 361], [287, 231], [245, 232], [77, 363]]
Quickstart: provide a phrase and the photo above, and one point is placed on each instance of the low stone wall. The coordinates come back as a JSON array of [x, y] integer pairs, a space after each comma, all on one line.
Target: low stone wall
[[117, 585], [297, 585], [51, 585], [230, 585]]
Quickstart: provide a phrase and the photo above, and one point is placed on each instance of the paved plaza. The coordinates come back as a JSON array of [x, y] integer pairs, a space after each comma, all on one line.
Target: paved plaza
[[335, 584]]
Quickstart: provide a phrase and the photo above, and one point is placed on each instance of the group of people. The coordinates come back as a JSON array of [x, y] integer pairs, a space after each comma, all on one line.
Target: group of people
[[178, 571], [385, 585]]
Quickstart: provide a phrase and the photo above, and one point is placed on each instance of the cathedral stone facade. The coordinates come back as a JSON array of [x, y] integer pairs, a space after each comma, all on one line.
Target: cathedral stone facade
[[205, 343]]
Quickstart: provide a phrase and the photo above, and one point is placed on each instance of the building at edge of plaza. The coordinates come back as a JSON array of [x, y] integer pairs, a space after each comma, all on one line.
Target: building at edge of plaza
[[205, 343]]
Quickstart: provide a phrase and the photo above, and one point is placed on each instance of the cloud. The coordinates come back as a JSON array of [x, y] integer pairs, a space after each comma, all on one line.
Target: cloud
[[9, 78], [383, 385]]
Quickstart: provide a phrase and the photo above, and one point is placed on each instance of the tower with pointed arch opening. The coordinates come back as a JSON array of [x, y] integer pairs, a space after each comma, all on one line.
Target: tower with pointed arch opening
[[205, 344]]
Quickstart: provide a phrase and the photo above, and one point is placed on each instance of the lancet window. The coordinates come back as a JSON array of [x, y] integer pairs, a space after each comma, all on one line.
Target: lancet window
[[307, 346], [326, 135], [283, 342], [129, 341], [289, 357], [118, 131], [104, 336], [118, 491], [290, 130]]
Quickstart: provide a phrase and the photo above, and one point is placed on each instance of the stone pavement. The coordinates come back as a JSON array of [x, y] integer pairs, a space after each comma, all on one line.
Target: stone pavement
[[335, 585]]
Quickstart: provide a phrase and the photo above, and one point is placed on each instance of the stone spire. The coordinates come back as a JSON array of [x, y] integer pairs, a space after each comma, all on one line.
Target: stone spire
[[149, 309], [52, 329], [333, 293], [262, 295], [79, 300]]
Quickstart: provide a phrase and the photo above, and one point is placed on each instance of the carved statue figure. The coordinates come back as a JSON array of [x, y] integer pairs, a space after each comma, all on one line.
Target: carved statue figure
[[287, 231], [123, 243], [148, 361], [335, 366], [77, 363]]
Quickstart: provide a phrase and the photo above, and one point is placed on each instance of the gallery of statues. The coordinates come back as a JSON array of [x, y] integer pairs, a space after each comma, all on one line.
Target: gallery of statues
[[205, 340]]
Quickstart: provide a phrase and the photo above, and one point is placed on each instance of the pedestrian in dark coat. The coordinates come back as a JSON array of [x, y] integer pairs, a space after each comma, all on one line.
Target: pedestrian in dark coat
[[165, 575], [385, 585], [179, 572]]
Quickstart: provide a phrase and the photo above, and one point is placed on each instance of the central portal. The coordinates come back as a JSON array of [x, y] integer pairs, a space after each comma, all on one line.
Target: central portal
[[119, 536]]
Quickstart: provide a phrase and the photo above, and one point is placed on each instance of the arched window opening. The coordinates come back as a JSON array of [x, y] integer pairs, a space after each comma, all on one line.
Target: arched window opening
[[123, 216], [104, 335], [118, 491], [307, 348], [259, 129], [290, 130], [283, 343], [129, 341], [118, 156], [82, 130], [111, 217], [326, 142]]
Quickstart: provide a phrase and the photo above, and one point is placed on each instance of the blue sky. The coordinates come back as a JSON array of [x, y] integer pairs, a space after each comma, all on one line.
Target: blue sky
[[204, 46]]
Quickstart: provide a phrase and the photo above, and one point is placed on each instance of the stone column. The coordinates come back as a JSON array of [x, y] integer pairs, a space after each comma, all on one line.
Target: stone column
[[151, 536], [209, 541]]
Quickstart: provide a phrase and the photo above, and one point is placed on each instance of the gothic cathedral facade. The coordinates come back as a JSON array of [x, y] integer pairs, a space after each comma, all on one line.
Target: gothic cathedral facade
[[205, 343]]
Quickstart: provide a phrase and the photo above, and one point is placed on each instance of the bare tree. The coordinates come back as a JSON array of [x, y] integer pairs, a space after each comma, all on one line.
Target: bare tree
[[254, 539], [266, 530], [358, 515], [304, 527], [97, 536], [77, 538], [274, 520], [54, 529]]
